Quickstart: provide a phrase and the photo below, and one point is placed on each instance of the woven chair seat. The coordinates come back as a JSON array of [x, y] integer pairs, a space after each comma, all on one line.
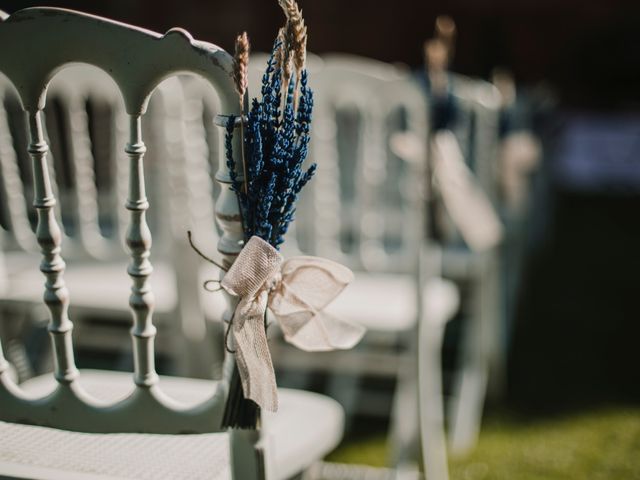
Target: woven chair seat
[[306, 427]]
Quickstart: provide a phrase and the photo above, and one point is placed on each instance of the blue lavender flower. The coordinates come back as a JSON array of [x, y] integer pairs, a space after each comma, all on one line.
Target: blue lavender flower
[[276, 141], [236, 185]]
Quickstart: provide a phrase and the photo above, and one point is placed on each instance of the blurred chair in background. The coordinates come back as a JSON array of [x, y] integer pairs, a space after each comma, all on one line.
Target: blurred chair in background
[[359, 147], [103, 402], [520, 155], [365, 210], [463, 163], [15, 349]]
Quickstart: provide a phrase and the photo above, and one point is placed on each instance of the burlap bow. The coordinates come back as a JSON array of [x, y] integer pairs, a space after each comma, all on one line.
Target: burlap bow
[[296, 291]]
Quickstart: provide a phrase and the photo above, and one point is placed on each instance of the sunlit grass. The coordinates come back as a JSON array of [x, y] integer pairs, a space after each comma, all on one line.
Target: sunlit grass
[[603, 445], [371, 451]]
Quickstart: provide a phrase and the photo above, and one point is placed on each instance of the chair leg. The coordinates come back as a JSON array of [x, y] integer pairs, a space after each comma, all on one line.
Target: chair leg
[[434, 446], [345, 389], [404, 431], [471, 384], [494, 329], [249, 456], [467, 409]]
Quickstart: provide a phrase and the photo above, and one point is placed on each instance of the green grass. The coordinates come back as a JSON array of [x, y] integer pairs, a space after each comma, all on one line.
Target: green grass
[[603, 445]]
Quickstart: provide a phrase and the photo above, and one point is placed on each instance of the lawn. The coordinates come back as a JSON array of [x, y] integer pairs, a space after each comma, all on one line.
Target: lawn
[[602, 445]]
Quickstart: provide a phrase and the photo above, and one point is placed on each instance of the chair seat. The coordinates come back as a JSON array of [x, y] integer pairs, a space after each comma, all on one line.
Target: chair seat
[[379, 302], [104, 286], [306, 428]]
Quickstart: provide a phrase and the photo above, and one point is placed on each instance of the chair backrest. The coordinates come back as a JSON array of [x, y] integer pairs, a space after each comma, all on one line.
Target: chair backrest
[[16, 181], [365, 209], [85, 127], [137, 60]]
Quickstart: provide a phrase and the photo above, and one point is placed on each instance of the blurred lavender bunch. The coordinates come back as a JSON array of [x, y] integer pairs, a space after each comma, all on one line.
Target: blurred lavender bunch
[[276, 141]]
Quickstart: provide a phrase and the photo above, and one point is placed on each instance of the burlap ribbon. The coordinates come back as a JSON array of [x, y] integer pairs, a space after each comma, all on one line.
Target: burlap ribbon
[[296, 291]]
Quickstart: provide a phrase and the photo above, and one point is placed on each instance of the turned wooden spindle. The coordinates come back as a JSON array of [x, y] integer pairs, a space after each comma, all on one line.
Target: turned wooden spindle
[[229, 219], [227, 210], [325, 240], [86, 209], [21, 232], [370, 186], [49, 237], [120, 137], [141, 300]]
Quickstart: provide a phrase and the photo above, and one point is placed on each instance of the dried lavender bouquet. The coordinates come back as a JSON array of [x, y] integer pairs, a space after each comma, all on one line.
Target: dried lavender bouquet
[[275, 145]]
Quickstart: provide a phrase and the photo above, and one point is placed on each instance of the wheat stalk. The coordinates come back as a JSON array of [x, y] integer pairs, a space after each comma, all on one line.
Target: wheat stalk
[[241, 80], [280, 52], [283, 56], [295, 33], [241, 65]]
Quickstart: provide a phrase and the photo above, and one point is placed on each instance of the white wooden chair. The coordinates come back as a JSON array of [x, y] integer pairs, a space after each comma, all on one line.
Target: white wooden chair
[[399, 292], [95, 424], [342, 215], [475, 270], [476, 273]]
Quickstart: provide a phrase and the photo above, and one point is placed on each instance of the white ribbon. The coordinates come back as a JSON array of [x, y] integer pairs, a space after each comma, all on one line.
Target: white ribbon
[[296, 291], [465, 200]]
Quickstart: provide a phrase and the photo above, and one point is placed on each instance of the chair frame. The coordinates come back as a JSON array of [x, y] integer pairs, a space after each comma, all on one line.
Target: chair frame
[[138, 60]]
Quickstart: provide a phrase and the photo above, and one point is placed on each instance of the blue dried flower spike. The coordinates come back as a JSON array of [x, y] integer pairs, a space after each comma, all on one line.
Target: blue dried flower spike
[[276, 141]]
